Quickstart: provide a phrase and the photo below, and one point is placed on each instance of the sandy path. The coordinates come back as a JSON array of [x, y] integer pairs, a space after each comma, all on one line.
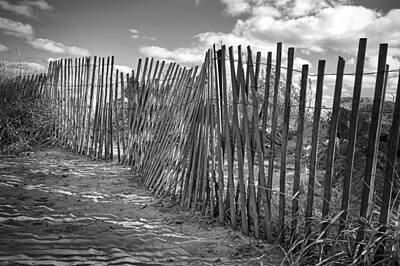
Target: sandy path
[[61, 209]]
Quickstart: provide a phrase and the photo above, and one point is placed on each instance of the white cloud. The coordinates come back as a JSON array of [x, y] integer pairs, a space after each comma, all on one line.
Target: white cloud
[[182, 55], [311, 26], [15, 28], [197, 2], [3, 47], [236, 7], [136, 35], [150, 38], [41, 4], [17, 8], [19, 29], [57, 48], [73, 50], [25, 8], [48, 45], [133, 31]]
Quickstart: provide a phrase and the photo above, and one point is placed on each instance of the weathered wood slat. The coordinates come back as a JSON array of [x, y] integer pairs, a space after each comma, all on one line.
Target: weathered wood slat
[[284, 142], [299, 149], [352, 131], [228, 144], [274, 123], [373, 140], [330, 153], [238, 142], [314, 146], [265, 106], [387, 191]]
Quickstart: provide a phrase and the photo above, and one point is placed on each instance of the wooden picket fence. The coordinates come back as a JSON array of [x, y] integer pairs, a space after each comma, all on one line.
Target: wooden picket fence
[[204, 137]]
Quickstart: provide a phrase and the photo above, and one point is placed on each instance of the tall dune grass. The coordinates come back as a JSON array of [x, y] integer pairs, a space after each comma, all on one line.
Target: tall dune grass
[[26, 119]]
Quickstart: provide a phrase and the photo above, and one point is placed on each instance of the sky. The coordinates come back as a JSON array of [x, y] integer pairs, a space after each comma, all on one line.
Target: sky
[[36, 31]]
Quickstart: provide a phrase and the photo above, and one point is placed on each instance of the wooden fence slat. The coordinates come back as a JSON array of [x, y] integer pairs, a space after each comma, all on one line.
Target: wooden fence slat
[[373, 140], [314, 146], [259, 143], [96, 111], [284, 142], [110, 112], [86, 110], [69, 101], [238, 142], [299, 149], [387, 191], [74, 105], [123, 117], [249, 144], [262, 195], [213, 181], [58, 92], [206, 172], [64, 103], [265, 107], [100, 116], [330, 153], [117, 116], [228, 144], [352, 131], [64, 98], [274, 122], [80, 104], [89, 149], [104, 121], [219, 136]]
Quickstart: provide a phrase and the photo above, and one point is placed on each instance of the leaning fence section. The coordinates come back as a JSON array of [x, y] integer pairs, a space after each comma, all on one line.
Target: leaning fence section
[[219, 138]]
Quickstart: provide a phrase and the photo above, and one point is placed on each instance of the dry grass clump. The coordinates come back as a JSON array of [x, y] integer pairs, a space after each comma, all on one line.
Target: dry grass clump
[[328, 247], [26, 119]]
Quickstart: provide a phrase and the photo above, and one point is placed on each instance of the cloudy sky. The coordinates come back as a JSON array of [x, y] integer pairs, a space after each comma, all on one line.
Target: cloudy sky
[[182, 30]]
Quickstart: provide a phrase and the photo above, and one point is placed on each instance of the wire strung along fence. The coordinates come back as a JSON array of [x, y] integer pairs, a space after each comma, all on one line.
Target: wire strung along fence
[[216, 137]]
